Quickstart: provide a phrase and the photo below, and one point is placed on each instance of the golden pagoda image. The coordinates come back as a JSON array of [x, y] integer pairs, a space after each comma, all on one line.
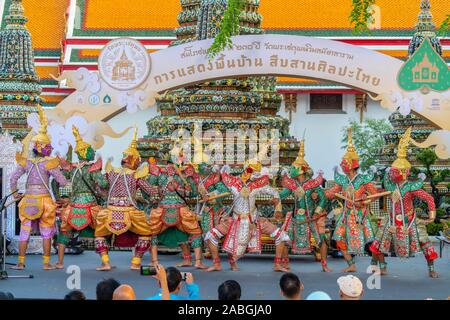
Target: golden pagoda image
[[124, 69]]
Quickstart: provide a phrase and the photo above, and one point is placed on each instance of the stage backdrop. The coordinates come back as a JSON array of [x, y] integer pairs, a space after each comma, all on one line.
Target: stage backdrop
[[129, 79]]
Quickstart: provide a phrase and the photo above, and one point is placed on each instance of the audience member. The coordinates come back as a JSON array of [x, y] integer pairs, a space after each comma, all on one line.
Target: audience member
[[105, 289], [291, 287], [174, 283], [350, 288], [318, 295], [229, 290], [75, 295], [124, 292], [6, 296]]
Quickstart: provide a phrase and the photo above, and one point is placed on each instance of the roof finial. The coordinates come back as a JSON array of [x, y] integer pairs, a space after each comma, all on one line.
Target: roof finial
[[16, 15], [425, 18]]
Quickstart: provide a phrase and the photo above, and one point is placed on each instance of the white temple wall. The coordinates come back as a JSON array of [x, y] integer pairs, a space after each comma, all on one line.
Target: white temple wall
[[324, 131]]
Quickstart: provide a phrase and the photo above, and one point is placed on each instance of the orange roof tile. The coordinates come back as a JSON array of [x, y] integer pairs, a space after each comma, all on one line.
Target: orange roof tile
[[135, 14], [324, 14], [46, 22], [44, 72]]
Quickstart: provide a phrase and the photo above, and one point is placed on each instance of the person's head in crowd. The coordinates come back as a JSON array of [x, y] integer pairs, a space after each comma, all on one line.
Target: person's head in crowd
[[291, 286], [229, 290], [350, 288], [174, 280], [105, 289], [318, 295], [6, 296], [75, 295], [124, 292]]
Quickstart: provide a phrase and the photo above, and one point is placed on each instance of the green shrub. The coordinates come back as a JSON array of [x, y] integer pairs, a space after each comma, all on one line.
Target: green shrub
[[434, 228]]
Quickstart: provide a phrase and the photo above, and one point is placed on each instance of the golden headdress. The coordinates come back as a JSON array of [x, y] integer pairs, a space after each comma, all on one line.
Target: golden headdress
[[351, 156], [300, 161], [42, 136], [255, 163], [199, 155], [401, 163], [80, 144], [132, 149]]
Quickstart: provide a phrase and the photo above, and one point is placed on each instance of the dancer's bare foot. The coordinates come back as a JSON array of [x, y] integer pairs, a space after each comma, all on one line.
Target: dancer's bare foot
[[184, 263], [351, 268], [49, 266], [279, 268], [433, 274], [19, 266], [199, 265], [104, 267], [326, 269], [134, 266], [214, 267], [234, 266], [59, 265]]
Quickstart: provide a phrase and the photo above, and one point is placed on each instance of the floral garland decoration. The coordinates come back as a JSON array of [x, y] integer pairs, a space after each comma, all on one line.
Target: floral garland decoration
[[228, 27], [361, 15]]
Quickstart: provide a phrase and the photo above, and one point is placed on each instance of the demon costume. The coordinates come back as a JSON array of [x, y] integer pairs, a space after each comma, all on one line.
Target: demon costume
[[121, 215], [172, 221], [243, 230], [401, 230], [37, 207], [307, 221], [88, 183], [353, 226]]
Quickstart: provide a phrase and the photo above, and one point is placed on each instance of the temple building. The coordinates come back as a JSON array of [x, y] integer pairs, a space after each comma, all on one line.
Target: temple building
[[69, 34], [20, 87], [424, 71]]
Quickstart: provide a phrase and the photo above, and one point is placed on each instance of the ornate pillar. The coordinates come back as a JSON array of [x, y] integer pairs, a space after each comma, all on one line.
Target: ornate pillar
[[361, 105], [290, 104]]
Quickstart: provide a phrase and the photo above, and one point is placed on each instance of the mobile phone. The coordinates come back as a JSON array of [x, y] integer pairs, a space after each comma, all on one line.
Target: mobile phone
[[148, 271], [183, 276]]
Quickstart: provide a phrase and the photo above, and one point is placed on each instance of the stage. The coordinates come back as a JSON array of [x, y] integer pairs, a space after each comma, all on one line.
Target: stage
[[407, 279]]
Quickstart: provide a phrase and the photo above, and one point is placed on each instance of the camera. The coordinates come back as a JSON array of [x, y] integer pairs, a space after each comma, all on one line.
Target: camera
[[148, 271], [183, 276]]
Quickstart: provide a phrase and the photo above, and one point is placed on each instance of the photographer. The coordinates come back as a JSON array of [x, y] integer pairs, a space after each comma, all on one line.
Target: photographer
[[174, 280]]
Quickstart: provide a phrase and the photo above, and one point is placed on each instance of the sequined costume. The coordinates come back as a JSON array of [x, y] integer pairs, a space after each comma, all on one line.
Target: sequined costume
[[243, 230], [402, 231], [353, 226], [208, 185], [87, 183], [37, 208], [306, 208], [172, 210], [121, 214]]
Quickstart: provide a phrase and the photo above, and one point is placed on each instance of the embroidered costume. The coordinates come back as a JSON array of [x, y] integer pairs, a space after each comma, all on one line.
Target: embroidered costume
[[402, 230], [88, 183], [243, 230], [172, 221], [353, 226], [307, 222], [37, 207], [121, 215]]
